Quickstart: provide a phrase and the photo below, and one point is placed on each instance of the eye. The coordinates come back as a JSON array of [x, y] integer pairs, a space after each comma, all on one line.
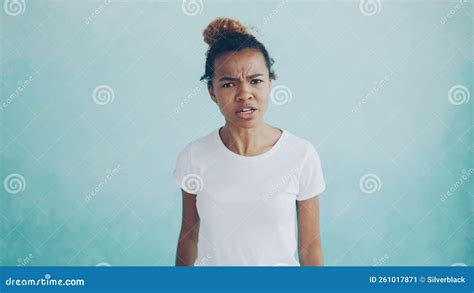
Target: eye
[[228, 84], [256, 81]]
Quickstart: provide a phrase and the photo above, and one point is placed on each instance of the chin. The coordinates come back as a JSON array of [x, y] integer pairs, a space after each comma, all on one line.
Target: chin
[[248, 124]]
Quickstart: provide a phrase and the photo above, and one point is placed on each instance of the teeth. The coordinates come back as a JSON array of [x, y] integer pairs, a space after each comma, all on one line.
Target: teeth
[[246, 110]]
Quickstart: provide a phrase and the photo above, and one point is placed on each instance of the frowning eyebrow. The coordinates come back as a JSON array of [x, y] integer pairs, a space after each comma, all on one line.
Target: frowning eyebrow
[[228, 78]]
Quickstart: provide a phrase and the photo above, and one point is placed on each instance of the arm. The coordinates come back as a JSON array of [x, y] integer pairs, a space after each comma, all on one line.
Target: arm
[[309, 241], [188, 237]]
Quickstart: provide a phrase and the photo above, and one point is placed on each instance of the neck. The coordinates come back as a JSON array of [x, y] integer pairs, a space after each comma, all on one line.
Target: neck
[[248, 141]]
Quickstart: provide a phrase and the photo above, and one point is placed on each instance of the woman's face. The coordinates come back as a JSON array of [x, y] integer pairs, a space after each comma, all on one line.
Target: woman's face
[[241, 86]]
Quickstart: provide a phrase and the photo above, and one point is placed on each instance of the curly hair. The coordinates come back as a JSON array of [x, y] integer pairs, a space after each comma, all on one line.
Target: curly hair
[[226, 34]]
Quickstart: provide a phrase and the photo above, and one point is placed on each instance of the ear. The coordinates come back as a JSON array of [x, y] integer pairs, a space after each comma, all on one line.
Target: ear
[[211, 93]]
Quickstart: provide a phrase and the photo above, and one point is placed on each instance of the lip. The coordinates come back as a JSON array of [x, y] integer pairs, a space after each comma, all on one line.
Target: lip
[[247, 115], [246, 106]]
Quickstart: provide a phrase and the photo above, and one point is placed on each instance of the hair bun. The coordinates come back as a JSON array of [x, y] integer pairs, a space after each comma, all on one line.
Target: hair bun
[[222, 26]]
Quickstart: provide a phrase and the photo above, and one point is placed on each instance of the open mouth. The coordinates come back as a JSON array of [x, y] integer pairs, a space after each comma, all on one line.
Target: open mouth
[[247, 110], [247, 113]]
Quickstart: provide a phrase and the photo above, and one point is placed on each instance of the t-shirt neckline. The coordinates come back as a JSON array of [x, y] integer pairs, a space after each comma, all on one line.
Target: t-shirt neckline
[[230, 153]]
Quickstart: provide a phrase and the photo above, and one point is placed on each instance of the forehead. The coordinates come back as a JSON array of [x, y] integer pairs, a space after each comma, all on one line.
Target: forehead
[[235, 63]]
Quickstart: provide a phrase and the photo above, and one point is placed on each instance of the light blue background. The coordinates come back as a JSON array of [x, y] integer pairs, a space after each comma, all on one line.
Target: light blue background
[[330, 55]]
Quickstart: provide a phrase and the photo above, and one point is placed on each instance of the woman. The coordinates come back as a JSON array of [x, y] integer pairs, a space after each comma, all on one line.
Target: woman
[[246, 185]]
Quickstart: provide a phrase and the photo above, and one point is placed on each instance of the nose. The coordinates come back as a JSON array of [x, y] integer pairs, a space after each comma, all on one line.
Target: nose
[[244, 92]]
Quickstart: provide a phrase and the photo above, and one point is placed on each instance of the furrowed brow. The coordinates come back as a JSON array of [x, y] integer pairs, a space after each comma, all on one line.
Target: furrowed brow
[[228, 78]]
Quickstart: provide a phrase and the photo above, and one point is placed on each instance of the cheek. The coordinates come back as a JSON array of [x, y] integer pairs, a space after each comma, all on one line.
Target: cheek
[[264, 95], [225, 101]]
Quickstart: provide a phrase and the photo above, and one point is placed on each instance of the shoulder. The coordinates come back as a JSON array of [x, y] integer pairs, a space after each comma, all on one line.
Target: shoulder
[[200, 145], [300, 144]]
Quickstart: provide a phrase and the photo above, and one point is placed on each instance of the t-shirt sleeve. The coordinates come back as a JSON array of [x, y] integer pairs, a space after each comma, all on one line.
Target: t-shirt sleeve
[[311, 177], [183, 174]]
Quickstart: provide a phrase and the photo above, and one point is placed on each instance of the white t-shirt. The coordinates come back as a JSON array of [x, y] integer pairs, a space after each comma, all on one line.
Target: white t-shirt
[[247, 205]]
